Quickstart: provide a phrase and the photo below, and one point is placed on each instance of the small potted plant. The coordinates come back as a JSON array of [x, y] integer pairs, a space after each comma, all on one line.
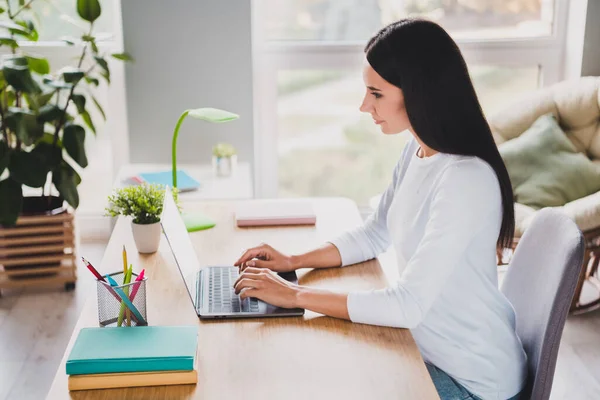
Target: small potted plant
[[224, 159], [144, 203]]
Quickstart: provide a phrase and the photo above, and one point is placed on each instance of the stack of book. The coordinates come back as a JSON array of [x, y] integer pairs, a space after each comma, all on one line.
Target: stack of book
[[104, 358]]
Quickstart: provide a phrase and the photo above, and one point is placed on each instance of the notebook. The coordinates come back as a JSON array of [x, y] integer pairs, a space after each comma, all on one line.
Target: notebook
[[139, 349], [184, 181], [132, 379], [270, 212]]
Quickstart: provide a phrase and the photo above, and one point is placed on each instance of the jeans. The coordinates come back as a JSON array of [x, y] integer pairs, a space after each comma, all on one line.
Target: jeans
[[450, 389]]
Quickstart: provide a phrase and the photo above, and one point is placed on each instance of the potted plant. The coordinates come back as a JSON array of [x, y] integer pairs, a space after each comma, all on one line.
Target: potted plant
[[144, 204], [44, 120], [224, 159], [44, 116]]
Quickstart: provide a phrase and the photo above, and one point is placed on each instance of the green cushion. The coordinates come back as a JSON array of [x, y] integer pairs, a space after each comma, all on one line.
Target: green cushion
[[545, 168]]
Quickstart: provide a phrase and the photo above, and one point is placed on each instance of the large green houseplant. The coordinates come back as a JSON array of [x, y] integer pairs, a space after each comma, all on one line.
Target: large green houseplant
[[44, 114]]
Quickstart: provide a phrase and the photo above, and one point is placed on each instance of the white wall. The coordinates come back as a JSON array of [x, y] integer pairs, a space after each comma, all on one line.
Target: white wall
[[188, 54], [590, 64]]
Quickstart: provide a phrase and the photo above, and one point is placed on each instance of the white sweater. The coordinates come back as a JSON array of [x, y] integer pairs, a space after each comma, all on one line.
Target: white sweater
[[443, 214]]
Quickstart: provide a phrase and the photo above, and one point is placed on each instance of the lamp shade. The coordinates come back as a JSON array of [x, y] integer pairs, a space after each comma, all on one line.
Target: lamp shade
[[213, 115]]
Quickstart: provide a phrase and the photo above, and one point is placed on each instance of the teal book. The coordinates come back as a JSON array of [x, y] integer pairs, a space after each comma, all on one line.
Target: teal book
[[138, 349], [184, 181]]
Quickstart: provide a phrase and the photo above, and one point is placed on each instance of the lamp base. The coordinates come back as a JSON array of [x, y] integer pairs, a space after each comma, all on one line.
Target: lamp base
[[197, 222]]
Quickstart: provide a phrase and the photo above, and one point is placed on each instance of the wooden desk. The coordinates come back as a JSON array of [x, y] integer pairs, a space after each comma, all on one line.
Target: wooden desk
[[310, 357]]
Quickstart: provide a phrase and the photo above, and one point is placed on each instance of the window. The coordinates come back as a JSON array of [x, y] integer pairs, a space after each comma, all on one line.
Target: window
[[58, 18], [326, 147], [351, 20], [309, 56]]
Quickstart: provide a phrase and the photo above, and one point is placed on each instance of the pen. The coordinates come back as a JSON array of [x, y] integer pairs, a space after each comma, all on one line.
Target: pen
[[126, 300], [136, 287]]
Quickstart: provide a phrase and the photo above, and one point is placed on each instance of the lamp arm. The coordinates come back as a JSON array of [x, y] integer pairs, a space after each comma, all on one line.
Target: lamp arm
[[174, 146]]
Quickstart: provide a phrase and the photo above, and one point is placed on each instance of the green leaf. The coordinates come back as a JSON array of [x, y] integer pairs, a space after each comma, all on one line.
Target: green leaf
[[73, 139], [89, 9], [48, 138], [39, 65], [87, 38], [25, 124], [20, 78], [92, 80], [14, 27], [8, 41], [66, 180], [79, 101], [28, 168], [88, 121], [50, 112], [4, 156], [31, 101], [72, 74], [94, 47], [106, 76], [49, 155], [16, 60], [104, 65], [33, 34], [99, 107], [2, 10], [56, 83], [70, 40], [10, 96], [44, 98], [11, 194], [122, 56]]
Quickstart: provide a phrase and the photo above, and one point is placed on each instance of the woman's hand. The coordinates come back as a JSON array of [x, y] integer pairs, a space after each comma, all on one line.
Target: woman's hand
[[264, 256], [267, 286]]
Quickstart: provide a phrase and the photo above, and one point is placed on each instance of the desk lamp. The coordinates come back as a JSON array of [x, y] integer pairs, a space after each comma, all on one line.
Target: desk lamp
[[196, 221]]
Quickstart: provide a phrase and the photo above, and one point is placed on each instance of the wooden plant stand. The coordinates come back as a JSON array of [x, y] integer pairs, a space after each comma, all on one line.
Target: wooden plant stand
[[38, 251]]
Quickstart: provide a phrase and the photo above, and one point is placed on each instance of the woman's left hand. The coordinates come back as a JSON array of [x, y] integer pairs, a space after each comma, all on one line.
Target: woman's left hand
[[267, 286]]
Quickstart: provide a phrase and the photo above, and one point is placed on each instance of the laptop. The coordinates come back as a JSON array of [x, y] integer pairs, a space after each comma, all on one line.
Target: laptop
[[211, 288]]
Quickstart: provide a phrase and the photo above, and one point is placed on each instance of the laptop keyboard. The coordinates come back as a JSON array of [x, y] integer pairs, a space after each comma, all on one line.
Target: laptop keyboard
[[222, 297]]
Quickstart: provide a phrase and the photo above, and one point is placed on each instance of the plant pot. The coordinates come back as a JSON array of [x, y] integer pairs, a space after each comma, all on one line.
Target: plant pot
[[146, 236], [224, 166]]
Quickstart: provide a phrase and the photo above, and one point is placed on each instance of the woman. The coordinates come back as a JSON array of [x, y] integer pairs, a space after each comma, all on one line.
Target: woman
[[448, 208]]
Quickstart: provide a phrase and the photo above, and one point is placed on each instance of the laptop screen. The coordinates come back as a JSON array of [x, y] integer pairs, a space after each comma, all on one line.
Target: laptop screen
[[181, 245]]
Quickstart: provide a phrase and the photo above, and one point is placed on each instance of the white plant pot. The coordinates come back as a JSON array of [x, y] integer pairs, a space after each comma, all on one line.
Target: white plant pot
[[224, 166], [146, 236]]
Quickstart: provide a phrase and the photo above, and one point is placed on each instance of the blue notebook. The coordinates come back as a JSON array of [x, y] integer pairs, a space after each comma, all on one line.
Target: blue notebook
[[184, 181], [138, 349]]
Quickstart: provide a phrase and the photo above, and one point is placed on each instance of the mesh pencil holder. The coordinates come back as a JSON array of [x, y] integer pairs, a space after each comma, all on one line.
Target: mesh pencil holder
[[112, 309]]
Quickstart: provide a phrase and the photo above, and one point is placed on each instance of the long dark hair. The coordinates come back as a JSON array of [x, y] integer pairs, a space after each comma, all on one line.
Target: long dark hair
[[419, 57]]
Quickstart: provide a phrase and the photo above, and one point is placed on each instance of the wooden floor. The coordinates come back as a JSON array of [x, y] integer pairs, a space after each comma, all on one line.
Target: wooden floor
[[35, 328]]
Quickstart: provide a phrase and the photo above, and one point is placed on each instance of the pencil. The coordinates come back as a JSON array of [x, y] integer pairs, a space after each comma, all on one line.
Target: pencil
[[124, 262]]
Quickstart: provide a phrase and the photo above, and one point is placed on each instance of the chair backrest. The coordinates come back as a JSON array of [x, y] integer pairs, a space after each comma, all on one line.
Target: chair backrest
[[575, 104], [540, 282]]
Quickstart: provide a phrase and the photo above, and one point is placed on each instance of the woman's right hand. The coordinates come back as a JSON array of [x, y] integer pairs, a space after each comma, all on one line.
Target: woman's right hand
[[265, 256]]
